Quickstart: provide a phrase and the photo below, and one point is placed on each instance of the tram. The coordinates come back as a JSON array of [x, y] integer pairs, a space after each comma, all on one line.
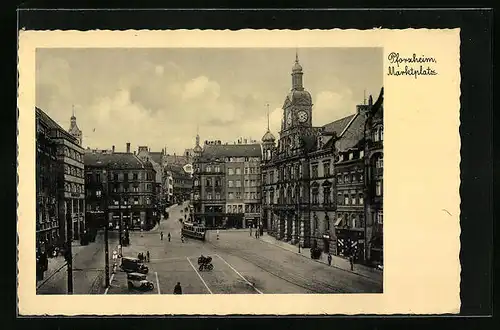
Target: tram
[[193, 230]]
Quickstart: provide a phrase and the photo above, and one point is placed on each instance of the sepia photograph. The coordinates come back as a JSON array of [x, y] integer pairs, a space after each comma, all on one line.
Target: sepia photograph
[[209, 171], [178, 172]]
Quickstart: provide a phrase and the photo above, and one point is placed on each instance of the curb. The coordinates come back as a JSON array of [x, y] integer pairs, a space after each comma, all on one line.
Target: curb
[[300, 254]]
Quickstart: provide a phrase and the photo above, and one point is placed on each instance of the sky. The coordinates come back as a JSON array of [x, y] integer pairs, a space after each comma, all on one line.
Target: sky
[[161, 97]]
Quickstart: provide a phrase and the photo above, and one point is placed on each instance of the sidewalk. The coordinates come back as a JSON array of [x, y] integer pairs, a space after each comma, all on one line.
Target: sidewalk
[[337, 262]]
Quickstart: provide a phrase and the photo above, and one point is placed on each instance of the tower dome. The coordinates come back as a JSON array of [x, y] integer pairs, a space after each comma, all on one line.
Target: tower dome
[[268, 137]]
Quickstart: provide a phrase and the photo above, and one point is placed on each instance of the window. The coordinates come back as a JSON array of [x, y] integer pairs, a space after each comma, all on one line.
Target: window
[[98, 177], [230, 171], [231, 195], [361, 153], [339, 198], [238, 171], [125, 176], [115, 177], [247, 171], [326, 169], [353, 199], [326, 195], [240, 208], [135, 177], [327, 223], [314, 171], [217, 195], [208, 168], [354, 177], [351, 155], [315, 197], [247, 195], [361, 201], [135, 189], [238, 183], [115, 188], [252, 195], [339, 179], [217, 169], [380, 162], [247, 208], [246, 183], [360, 177], [380, 217], [209, 182], [346, 178], [378, 188], [217, 182], [209, 196], [196, 183], [136, 200], [346, 199], [252, 183], [252, 170], [230, 183]]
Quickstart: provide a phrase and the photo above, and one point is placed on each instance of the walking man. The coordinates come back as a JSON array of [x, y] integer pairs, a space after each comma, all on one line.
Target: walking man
[[217, 234], [250, 231], [329, 259], [351, 260], [161, 235], [169, 237], [178, 288], [147, 256]]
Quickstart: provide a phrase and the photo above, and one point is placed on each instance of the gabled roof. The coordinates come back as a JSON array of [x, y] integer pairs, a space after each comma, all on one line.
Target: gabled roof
[[52, 124], [353, 135], [339, 125], [232, 150], [121, 160], [156, 156]]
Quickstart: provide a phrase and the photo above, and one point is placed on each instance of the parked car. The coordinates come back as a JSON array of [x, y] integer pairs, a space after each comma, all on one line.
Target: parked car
[[133, 265], [139, 281]]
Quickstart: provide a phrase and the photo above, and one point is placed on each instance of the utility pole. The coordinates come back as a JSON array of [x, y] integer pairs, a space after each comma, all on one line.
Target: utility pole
[[106, 238], [121, 220], [69, 253]]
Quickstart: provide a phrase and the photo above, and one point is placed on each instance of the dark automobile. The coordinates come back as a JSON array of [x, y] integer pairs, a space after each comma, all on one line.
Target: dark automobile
[[133, 265]]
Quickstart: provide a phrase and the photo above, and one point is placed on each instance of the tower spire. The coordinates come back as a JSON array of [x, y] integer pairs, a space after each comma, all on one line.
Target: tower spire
[[267, 117], [73, 109], [296, 55], [364, 97]]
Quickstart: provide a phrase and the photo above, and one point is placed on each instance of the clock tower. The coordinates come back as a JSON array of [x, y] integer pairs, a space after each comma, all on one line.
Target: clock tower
[[297, 112]]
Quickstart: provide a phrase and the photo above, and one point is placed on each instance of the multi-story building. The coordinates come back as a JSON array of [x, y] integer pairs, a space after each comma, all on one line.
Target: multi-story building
[[69, 179], [156, 160], [313, 182], [47, 222], [127, 185], [286, 167], [374, 183], [226, 187], [182, 183]]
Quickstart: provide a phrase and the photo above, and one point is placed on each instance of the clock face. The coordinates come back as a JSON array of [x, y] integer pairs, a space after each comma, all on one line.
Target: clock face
[[289, 119], [303, 116]]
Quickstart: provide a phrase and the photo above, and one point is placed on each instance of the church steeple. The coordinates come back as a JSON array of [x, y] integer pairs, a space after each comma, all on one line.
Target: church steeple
[[197, 148], [73, 129]]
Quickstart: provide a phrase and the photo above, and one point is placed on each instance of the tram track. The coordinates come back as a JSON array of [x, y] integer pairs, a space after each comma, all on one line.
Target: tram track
[[278, 271]]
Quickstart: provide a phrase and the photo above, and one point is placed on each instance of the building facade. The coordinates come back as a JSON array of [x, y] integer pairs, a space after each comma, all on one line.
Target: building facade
[[226, 187], [47, 222], [124, 185], [323, 186], [69, 178]]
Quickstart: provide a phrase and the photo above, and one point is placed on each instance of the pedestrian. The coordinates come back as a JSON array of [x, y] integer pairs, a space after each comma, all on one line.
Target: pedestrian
[[161, 235], [329, 259], [250, 231], [217, 233], [182, 238], [351, 260], [169, 237], [139, 256], [178, 288], [147, 256]]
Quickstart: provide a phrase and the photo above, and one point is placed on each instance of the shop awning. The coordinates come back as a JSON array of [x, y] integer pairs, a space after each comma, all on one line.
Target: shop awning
[[338, 222]]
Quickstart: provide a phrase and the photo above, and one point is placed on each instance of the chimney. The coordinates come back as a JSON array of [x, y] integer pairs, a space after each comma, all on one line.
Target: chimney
[[113, 148], [128, 147]]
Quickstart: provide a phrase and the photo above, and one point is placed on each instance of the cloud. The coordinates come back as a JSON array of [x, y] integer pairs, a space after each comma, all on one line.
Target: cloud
[[330, 106], [201, 88]]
